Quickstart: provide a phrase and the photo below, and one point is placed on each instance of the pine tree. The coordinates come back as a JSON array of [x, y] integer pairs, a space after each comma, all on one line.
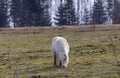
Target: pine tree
[[110, 10], [17, 13], [30, 13], [99, 15], [60, 15], [27, 14], [3, 13], [44, 13], [116, 12], [86, 17], [38, 12], [66, 14], [71, 13]]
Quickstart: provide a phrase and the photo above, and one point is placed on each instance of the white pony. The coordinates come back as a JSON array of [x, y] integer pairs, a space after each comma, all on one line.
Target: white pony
[[60, 49]]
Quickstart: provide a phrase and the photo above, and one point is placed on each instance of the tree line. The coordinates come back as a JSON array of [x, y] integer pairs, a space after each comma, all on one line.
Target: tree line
[[26, 13]]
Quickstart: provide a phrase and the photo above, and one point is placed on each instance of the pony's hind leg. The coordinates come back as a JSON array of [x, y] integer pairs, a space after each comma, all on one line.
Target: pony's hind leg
[[55, 59]]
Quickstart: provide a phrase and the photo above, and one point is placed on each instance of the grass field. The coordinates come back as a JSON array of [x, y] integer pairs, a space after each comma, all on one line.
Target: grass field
[[95, 52]]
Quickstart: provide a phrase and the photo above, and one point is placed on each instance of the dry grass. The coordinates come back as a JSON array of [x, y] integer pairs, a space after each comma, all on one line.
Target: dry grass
[[95, 53], [35, 30]]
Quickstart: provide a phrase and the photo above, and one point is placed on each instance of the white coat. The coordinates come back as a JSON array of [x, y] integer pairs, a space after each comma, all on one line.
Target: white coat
[[60, 50]]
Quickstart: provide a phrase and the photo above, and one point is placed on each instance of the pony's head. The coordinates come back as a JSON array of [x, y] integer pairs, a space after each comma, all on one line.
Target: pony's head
[[64, 61]]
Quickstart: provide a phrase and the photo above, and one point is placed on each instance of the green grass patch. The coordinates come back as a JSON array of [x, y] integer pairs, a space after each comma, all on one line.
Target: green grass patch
[[26, 54]]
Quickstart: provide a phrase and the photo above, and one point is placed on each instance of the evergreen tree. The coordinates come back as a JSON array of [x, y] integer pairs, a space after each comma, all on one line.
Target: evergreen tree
[[110, 7], [30, 13], [116, 12], [99, 15], [66, 14], [38, 12], [60, 16], [110, 10], [17, 13], [44, 19], [28, 18], [3, 13], [71, 13], [86, 17]]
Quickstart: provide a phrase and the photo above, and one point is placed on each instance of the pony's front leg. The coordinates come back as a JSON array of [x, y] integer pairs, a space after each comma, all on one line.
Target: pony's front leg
[[60, 62]]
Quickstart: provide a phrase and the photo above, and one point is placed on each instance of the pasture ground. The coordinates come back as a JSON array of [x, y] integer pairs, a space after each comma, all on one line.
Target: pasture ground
[[95, 52]]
